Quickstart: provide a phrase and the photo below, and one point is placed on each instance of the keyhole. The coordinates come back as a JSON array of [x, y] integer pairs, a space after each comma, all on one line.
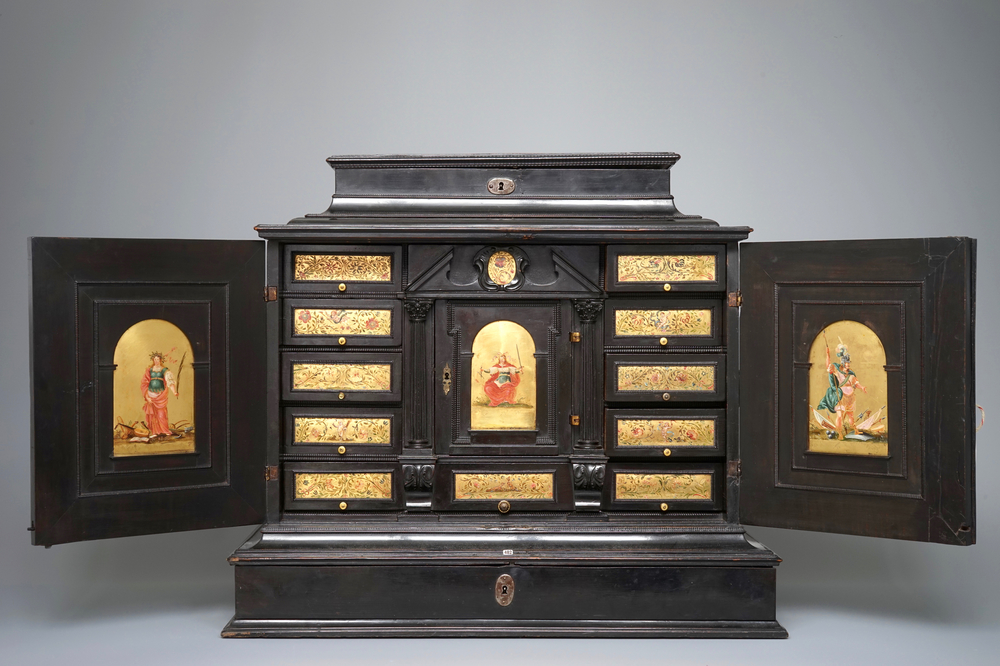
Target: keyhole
[[503, 590], [500, 187]]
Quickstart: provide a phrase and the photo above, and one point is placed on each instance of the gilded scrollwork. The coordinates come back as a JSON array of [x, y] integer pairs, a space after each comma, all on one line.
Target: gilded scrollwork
[[341, 377], [322, 430], [531, 485], [633, 486], [661, 432], [342, 321], [344, 267], [666, 378], [667, 268], [343, 485], [663, 322]]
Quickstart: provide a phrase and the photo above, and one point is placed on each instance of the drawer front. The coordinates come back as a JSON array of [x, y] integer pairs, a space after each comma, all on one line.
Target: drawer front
[[343, 270], [665, 434], [663, 378], [663, 488], [341, 377], [663, 323], [503, 489], [342, 487], [666, 268], [348, 322], [336, 432]]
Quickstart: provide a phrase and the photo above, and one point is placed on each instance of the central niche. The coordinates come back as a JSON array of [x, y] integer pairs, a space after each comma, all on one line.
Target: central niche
[[504, 393]]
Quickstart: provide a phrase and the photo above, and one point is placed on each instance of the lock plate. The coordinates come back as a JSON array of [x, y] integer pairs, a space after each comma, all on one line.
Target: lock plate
[[505, 590], [500, 186]]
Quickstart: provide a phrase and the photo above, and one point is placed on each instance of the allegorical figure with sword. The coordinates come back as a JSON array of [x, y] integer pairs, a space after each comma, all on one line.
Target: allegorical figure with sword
[[501, 387]]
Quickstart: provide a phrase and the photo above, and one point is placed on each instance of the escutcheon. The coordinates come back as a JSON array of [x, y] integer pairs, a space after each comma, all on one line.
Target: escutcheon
[[505, 590]]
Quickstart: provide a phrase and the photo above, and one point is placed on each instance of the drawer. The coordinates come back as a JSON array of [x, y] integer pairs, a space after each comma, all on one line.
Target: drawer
[[332, 431], [502, 488], [350, 322], [665, 377], [343, 270], [663, 323], [660, 434], [660, 268], [665, 487], [341, 376], [343, 487]]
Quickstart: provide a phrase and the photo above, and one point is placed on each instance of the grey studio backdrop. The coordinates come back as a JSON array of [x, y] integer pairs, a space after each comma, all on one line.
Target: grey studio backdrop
[[804, 120]]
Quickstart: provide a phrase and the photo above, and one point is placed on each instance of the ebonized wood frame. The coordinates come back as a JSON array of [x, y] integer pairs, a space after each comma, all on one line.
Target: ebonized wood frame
[[230, 274], [677, 451], [940, 387], [443, 498]]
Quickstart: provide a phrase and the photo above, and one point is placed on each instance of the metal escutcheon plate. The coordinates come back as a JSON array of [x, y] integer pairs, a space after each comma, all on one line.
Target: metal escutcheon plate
[[500, 186], [505, 590]]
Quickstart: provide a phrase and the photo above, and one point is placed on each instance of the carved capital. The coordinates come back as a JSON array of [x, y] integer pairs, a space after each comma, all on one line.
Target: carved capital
[[417, 310], [588, 310], [418, 477], [588, 476]]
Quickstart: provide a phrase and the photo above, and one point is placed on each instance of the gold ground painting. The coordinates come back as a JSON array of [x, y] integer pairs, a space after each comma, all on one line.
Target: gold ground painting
[[848, 387], [503, 387], [153, 391]]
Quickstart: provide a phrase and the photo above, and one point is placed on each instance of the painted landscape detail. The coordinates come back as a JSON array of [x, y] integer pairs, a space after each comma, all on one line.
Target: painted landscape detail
[[666, 378], [503, 391], [663, 322], [320, 430], [503, 486], [348, 485], [660, 432], [344, 267], [319, 321], [153, 391], [848, 387], [501, 267], [341, 377], [630, 486], [666, 268]]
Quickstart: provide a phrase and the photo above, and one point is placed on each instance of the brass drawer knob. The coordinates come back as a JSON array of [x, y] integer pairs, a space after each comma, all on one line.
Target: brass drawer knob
[[341, 395], [666, 287], [666, 452], [503, 506], [342, 341], [342, 287], [666, 396], [343, 449], [343, 506], [663, 341], [664, 507]]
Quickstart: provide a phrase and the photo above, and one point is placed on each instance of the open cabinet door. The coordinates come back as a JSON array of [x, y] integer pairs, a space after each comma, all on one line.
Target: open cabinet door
[[148, 384], [857, 387]]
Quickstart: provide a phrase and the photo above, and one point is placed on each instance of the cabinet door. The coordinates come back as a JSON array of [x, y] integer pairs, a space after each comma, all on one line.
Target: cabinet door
[[857, 387], [148, 385]]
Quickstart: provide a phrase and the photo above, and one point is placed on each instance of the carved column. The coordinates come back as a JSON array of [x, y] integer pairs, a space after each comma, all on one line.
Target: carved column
[[588, 311], [417, 311]]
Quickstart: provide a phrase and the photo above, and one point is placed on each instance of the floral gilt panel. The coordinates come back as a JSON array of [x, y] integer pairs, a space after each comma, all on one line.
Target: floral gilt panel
[[341, 377], [322, 430], [632, 486], [663, 322], [344, 267], [666, 377], [667, 268], [504, 486], [660, 432], [344, 485], [342, 321]]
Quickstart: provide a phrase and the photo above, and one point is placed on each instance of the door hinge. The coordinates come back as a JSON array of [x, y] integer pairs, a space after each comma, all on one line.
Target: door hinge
[[735, 299], [734, 469], [271, 473], [270, 294], [574, 419]]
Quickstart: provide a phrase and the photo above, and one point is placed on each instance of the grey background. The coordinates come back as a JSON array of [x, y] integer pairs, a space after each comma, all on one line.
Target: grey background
[[804, 120]]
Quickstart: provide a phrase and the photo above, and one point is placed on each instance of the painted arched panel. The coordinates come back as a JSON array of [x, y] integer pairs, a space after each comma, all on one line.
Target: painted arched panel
[[504, 392]]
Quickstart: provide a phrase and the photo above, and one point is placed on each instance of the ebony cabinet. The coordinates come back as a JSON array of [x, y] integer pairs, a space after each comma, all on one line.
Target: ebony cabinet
[[504, 396]]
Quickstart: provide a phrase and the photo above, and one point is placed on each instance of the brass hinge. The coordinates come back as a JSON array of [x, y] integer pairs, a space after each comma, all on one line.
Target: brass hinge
[[574, 336], [271, 473], [270, 294], [574, 419], [735, 299], [734, 468]]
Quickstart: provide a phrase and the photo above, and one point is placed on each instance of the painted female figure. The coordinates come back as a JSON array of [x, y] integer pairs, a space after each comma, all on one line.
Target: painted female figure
[[840, 397], [501, 387], [155, 383]]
